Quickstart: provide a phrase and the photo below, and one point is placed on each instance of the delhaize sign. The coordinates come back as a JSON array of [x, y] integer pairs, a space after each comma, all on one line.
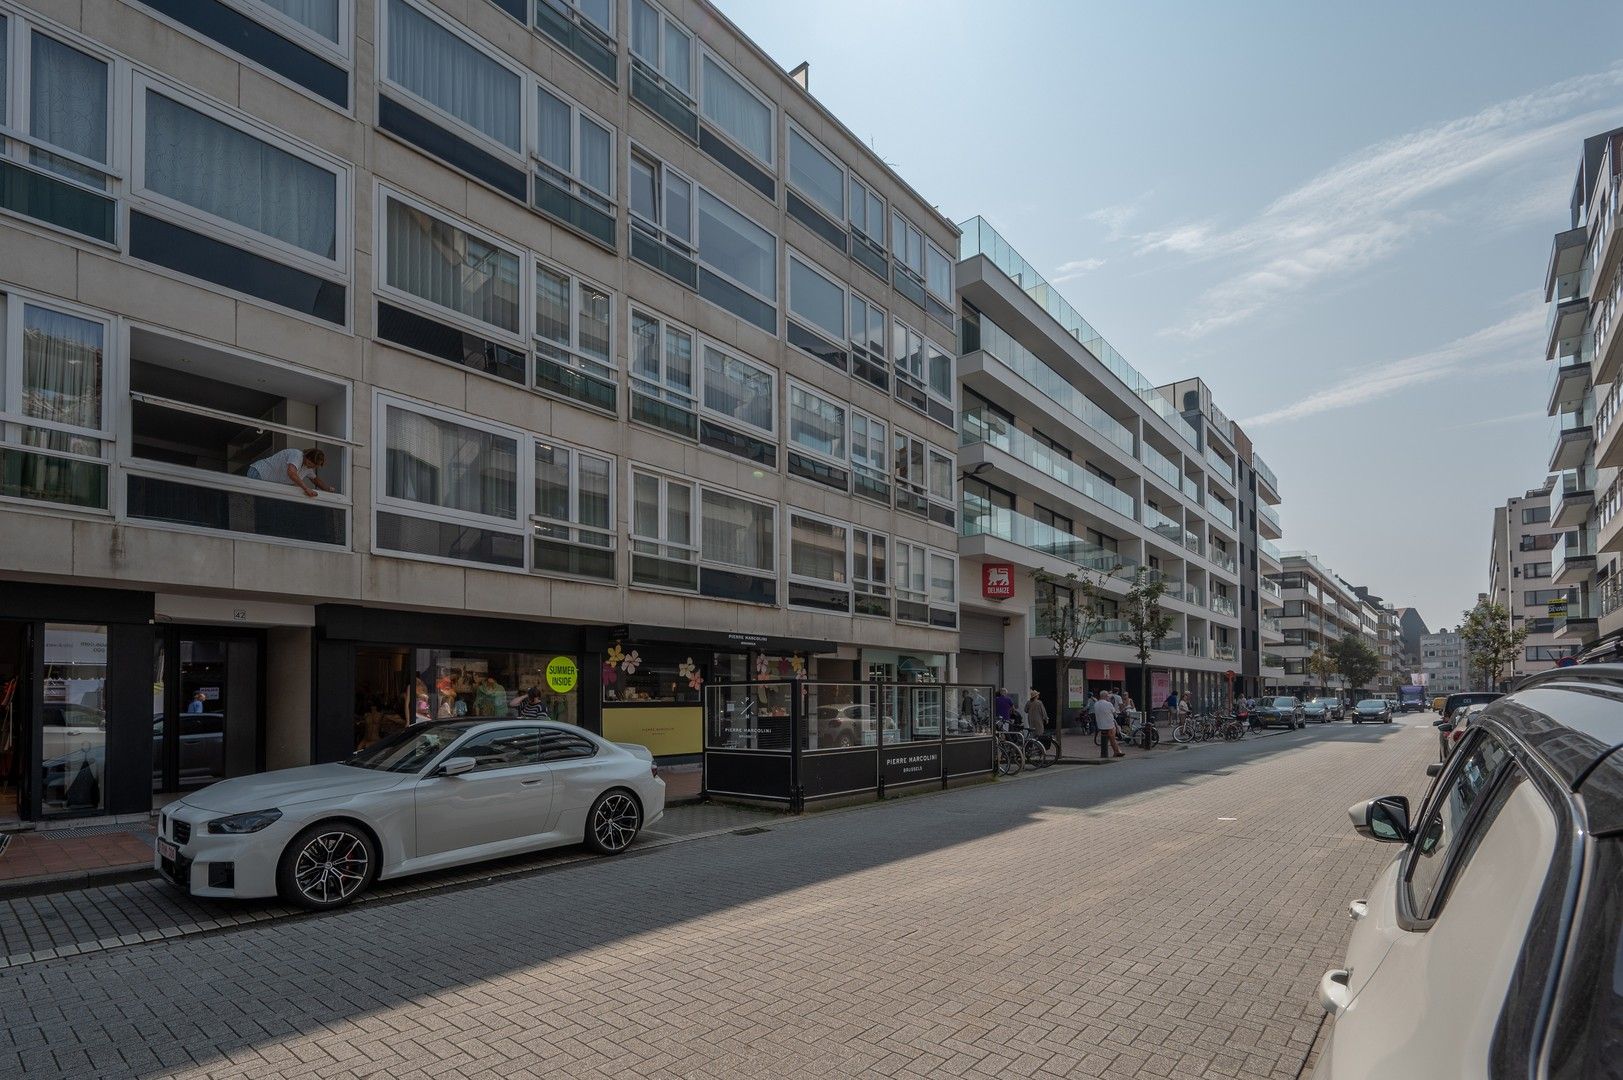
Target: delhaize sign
[[997, 580]]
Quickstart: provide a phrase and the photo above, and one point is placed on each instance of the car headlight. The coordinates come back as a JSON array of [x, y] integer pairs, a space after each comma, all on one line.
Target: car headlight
[[250, 822]]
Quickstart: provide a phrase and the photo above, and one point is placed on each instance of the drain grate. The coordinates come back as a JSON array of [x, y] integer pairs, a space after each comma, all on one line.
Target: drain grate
[[751, 831], [74, 832]]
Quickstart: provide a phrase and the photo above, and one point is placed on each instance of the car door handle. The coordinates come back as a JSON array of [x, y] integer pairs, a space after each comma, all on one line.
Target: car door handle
[[1334, 994], [1357, 910], [531, 783]]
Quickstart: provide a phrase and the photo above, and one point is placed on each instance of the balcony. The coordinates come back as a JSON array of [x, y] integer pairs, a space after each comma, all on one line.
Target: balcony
[[1267, 482], [1220, 651], [1192, 542], [1269, 626], [981, 519], [1569, 382], [1607, 343], [1273, 664], [1270, 588], [1219, 466], [1568, 311], [1172, 643], [1161, 465], [1573, 441], [1218, 510], [1573, 499], [1224, 560], [1268, 551], [1576, 620], [1609, 597], [1268, 522], [1224, 605], [1167, 528], [983, 427], [1573, 559], [1608, 522], [1606, 215]]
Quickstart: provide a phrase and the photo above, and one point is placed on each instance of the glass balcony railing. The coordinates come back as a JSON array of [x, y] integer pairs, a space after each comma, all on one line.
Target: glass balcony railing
[[1261, 468], [1273, 660], [1223, 559], [1609, 597], [983, 426], [1191, 489], [1195, 648], [1271, 624], [1167, 528], [979, 238], [1172, 643], [1270, 587], [1606, 413], [1001, 345], [1219, 511], [1269, 514], [1223, 605], [1220, 651], [983, 519], [1218, 466], [1268, 547], [1160, 465], [1192, 542]]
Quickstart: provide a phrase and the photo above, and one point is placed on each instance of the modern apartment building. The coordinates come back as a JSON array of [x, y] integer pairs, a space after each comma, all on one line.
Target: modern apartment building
[[1075, 463], [625, 366], [1385, 638], [1317, 609], [1585, 295], [1520, 575], [1442, 658]]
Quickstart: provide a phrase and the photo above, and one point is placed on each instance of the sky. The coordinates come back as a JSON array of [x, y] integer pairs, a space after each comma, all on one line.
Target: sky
[[1338, 215]]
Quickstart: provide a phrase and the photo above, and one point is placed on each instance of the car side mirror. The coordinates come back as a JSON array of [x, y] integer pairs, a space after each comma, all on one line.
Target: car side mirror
[[1438, 723], [1446, 726], [1385, 819], [456, 766]]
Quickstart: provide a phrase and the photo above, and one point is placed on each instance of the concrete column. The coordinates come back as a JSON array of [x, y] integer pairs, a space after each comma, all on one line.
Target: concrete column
[[287, 697], [1017, 654]]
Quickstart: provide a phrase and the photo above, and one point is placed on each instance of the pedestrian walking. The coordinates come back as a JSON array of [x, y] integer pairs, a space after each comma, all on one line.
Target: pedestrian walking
[[1104, 718], [1003, 706], [1036, 713]]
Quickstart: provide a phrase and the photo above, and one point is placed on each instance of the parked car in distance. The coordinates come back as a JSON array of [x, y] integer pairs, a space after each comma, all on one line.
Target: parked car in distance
[[1452, 730], [1469, 697], [851, 725], [1372, 711], [1278, 712], [438, 794], [1322, 709], [1490, 945]]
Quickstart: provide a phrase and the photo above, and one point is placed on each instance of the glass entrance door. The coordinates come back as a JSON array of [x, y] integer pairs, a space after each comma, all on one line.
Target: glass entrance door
[[208, 725]]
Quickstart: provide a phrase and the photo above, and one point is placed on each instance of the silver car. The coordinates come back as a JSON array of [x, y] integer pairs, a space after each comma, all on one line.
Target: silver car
[[438, 794]]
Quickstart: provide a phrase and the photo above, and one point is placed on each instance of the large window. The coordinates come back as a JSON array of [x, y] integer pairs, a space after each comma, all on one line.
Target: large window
[[870, 572], [240, 180], [817, 423], [449, 267], [870, 456], [736, 248], [867, 212], [662, 201], [54, 428], [455, 76], [739, 533], [738, 391], [938, 367], [576, 149], [572, 321], [819, 564], [663, 548], [662, 377], [868, 340], [68, 93], [938, 273], [907, 350], [925, 478], [816, 299], [907, 244], [816, 174], [324, 18], [574, 511], [663, 44], [912, 582], [734, 107]]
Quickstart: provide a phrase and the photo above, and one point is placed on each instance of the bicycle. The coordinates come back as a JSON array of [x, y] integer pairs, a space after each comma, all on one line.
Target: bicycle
[[1183, 728], [1009, 752], [1143, 731]]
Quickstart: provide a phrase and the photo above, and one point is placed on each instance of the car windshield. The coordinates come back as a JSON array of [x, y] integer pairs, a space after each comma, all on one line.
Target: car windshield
[[1284, 703], [1321, 701], [1372, 703], [408, 751]]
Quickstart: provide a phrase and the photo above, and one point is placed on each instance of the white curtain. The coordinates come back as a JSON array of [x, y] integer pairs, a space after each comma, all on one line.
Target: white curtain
[[735, 389], [596, 156], [319, 15], [439, 463], [552, 306], [201, 162], [737, 532], [68, 105], [62, 359], [553, 140], [645, 32], [443, 69], [444, 265], [816, 549], [737, 111]]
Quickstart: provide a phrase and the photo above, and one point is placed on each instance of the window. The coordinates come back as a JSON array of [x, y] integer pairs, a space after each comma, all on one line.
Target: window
[[600, 13], [434, 462], [819, 557], [1053, 520], [867, 326], [662, 201], [449, 267], [1446, 814], [907, 350], [1549, 653], [662, 372], [938, 273], [321, 17], [868, 451], [68, 92], [816, 175], [938, 371], [869, 572], [559, 745], [738, 391], [816, 298], [816, 423], [727, 102], [867, 212], [943, 582], [738, 249], [912, 582], [663, 44], [455, 76], [54, 431], [575, 148], [663, 552], [739, 534], [907, 244], [574, 517], [572, 320], [195, 160], [1533, 515], [1536, 570], [1542, 597], [504, 748]]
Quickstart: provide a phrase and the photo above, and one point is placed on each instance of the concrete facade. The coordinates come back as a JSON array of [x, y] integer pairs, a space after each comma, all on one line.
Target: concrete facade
[[1442, 657], [1520, 575]]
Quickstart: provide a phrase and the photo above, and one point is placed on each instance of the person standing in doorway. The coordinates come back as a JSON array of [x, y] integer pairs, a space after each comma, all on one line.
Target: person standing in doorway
[[1104, 718]]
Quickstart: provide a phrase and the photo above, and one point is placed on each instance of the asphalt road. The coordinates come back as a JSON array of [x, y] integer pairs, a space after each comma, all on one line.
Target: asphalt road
[[1168, 915]]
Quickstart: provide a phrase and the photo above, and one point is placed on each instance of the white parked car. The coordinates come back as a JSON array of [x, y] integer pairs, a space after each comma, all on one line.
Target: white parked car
[[1492, 945], [438, 794]]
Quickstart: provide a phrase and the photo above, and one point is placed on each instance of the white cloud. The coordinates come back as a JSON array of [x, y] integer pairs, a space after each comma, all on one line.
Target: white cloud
[[1495, 421], [1074, 269], [1507, 345], [1116, 218], [1367, 207]]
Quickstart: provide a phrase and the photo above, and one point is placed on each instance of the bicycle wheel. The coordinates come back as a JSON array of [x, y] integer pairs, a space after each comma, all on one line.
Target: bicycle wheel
[[1010, 760], [1181, 732]]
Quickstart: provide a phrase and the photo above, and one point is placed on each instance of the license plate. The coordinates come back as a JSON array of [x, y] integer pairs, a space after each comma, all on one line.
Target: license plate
[[166, 850]]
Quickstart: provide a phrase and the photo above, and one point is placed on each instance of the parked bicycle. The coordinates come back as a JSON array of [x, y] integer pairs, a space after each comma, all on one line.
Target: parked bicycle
[[1009, 752]]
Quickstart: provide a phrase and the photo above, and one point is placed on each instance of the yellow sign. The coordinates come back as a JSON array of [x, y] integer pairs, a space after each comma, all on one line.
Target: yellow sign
[[562, 674], [664, 729]]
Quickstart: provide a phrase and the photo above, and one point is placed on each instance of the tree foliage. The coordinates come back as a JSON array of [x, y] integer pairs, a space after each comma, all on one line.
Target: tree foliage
[[1491, 640], [1148, 623], [1322, 666], [1357, 661]]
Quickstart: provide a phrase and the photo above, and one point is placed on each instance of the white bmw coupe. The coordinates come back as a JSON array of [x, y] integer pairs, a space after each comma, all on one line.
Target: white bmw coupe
[[438, 794]]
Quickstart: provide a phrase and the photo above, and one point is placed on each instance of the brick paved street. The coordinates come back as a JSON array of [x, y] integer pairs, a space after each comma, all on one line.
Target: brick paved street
[[1164, 916]]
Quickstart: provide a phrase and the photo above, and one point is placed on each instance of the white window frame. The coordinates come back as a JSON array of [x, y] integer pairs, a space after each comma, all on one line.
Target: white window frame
[[289, 27], [221, 228], [842, 460], [860, 229], [883, 472], [899, 362], [573, 526], [517, 156], [666, 545], [113, 394], [948, 298], [863, 584], [603, 370], [572, 181], [817, 583], [701, 377], [950, 498], [698, 251], [524, 478], [662, 391], [902, 589], [660, 230], [777, 532], [704, 53], [523, 340], [852, 296], [933, 554], [811, 265], [657, 67], [817, 146], [15, 44], [899, 237], [575, 12], [952, 367]]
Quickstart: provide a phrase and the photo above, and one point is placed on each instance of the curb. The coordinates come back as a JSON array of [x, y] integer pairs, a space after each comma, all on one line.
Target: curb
[[18, 888]]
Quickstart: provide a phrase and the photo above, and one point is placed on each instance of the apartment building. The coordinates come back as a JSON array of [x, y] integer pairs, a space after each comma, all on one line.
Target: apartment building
[[374, 360], [1411, 628], [1442, 658], [1585, 295], [1075, 463], [1385, 637], [1317, 608], [1521, 577]]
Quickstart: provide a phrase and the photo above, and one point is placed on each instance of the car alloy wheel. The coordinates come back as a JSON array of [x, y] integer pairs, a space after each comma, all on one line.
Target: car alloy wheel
[[614, 822], [326, 867]]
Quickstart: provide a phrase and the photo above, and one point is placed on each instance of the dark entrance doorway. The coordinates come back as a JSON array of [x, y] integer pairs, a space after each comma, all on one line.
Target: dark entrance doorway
[[14, 720], [208, 707]]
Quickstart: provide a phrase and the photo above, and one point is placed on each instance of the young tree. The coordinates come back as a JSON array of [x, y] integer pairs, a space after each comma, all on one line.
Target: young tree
[[1148, 624], [1491, 641], [1357, 662], [1069, 614], [1322, 666]]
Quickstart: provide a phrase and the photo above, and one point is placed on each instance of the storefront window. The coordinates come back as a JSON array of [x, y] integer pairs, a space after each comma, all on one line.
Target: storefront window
[[396, 687], [73, 726], [653, 675]]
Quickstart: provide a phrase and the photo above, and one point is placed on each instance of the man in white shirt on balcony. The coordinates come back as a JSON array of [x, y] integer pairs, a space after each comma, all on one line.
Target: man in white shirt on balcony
[[293, 466]]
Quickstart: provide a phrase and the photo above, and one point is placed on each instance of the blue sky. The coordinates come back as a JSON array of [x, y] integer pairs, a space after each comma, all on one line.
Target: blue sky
[[1338, 215]]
